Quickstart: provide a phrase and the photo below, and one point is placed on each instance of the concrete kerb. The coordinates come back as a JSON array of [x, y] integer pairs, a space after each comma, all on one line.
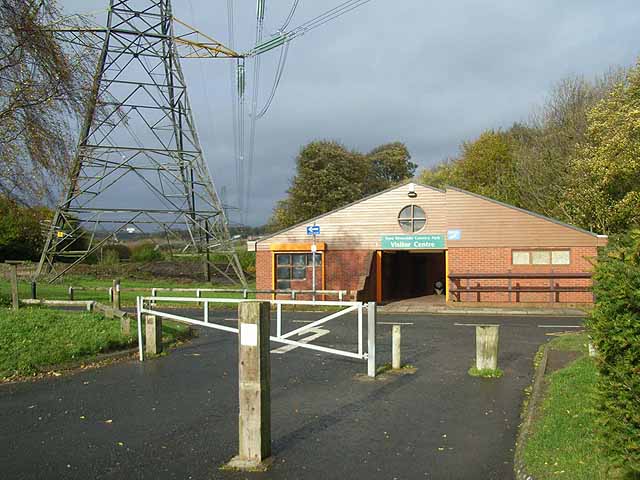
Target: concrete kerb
[[519, 466]]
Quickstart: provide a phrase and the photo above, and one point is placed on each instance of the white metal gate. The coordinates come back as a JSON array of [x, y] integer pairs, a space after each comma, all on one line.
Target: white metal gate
[[149, 306]]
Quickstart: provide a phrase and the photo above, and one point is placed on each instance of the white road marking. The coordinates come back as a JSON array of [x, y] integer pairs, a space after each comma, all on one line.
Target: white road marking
[[317, 333], [476, 324], [302, 321], [394, 323], [560, 326]]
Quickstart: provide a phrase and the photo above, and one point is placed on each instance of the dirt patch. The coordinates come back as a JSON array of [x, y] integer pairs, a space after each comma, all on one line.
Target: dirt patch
[[560, 358]]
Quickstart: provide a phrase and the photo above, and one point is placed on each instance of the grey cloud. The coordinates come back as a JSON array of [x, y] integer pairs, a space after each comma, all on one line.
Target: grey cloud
[[431, 74]]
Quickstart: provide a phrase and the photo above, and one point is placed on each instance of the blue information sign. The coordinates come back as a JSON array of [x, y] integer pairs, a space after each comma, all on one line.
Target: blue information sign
[[313, 229]]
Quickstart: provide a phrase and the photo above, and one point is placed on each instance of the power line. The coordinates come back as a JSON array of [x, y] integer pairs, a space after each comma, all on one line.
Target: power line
[[279, 71], [235, 100], [254, 106]]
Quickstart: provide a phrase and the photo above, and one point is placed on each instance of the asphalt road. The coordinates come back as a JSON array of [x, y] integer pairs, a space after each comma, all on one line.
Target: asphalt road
[[176, 416]]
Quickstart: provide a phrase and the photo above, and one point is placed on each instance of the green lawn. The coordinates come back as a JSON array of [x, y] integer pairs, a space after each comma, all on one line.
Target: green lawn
[[60, 291], [562, 442], [33, 339]]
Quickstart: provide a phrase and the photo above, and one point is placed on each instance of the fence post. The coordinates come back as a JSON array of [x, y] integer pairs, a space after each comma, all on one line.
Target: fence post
[[371, 336], [245, 294], [139, 305], [34, 291], [70, 293], [116, 294], [15, 302], [153, 328], [487, 347], [125, 324], [396, 335], [254, 426]]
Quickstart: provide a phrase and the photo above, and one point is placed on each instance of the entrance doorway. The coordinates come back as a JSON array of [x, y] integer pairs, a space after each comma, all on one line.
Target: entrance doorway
[[409, 274]]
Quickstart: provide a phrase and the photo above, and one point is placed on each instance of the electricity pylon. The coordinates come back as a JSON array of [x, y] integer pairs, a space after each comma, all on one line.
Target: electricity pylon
[[139, 164]]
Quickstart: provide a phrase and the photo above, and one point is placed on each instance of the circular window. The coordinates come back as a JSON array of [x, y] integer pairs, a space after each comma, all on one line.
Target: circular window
[[412, 218]]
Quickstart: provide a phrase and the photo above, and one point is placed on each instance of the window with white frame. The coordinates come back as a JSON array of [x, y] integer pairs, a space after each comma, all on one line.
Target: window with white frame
[[293, 266], [540, 257], [412, 218]]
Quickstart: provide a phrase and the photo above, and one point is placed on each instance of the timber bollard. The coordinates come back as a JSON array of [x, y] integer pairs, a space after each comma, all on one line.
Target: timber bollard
[[15, 301], [153, 328], [34, 291], [396, 362], [116, 295], [71, 293], [254, 425], [125, 325], [487, 347]]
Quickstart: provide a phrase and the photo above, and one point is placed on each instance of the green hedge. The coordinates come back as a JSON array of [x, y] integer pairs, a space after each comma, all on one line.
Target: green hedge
[[614, 327], [147, 252]]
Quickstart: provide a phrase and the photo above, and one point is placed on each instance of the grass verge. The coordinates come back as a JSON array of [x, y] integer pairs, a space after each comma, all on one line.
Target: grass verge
[[562, 441], [32, 340]]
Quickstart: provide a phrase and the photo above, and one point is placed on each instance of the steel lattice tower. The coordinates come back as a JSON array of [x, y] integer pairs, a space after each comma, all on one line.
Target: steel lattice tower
[[139, 162]]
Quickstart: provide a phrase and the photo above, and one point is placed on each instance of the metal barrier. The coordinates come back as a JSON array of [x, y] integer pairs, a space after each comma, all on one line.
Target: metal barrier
[[246, 292], [148, 306]]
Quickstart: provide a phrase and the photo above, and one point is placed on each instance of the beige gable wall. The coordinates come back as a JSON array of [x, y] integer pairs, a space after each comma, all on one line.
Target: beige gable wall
[[484, 223], [361, 225]]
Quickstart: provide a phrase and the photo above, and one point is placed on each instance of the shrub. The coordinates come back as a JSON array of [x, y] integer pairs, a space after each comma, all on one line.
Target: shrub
[[247, 260], [614, 327], [109, 257], [146, 252]]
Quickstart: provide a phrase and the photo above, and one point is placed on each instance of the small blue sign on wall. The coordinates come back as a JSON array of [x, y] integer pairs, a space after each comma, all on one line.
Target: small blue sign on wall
[[313, 229], [454, 234], [412, 242]]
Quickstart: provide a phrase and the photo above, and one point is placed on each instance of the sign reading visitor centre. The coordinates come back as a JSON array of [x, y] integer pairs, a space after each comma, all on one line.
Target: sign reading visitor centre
[[411, 242]]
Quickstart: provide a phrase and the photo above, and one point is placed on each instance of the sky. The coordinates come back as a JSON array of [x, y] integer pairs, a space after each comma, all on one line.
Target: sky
[[431, 74]]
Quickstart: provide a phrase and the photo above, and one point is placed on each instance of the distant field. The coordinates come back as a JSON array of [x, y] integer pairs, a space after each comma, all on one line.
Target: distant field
[[60, 291]]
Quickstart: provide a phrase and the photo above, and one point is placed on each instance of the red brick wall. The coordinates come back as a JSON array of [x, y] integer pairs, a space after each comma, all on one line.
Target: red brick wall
[[344, 269], [498, 260], [263, 272]]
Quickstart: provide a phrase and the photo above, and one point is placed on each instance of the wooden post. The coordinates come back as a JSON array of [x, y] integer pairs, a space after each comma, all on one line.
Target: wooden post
[[487, 347], [116, 294], [34, 290], [71, 293], [254, 426], [153, 327], [396, 362], [125, 325], [15, 302]]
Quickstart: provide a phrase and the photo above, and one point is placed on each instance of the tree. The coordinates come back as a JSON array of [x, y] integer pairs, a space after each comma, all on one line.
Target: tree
[[328, 176], [485, 166], [544, 151], [604, 194], [389, 164], [41, 91], [20, 231], [530, 164]]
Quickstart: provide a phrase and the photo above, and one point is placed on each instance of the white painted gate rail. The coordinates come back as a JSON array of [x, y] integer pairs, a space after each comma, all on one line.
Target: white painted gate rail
[[149, 306]]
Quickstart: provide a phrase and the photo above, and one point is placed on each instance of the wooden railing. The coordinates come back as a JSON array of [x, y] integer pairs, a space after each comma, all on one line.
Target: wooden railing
[[554, 289]]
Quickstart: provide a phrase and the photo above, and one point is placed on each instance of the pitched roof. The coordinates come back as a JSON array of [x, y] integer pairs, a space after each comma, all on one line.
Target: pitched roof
[[368, 197]]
